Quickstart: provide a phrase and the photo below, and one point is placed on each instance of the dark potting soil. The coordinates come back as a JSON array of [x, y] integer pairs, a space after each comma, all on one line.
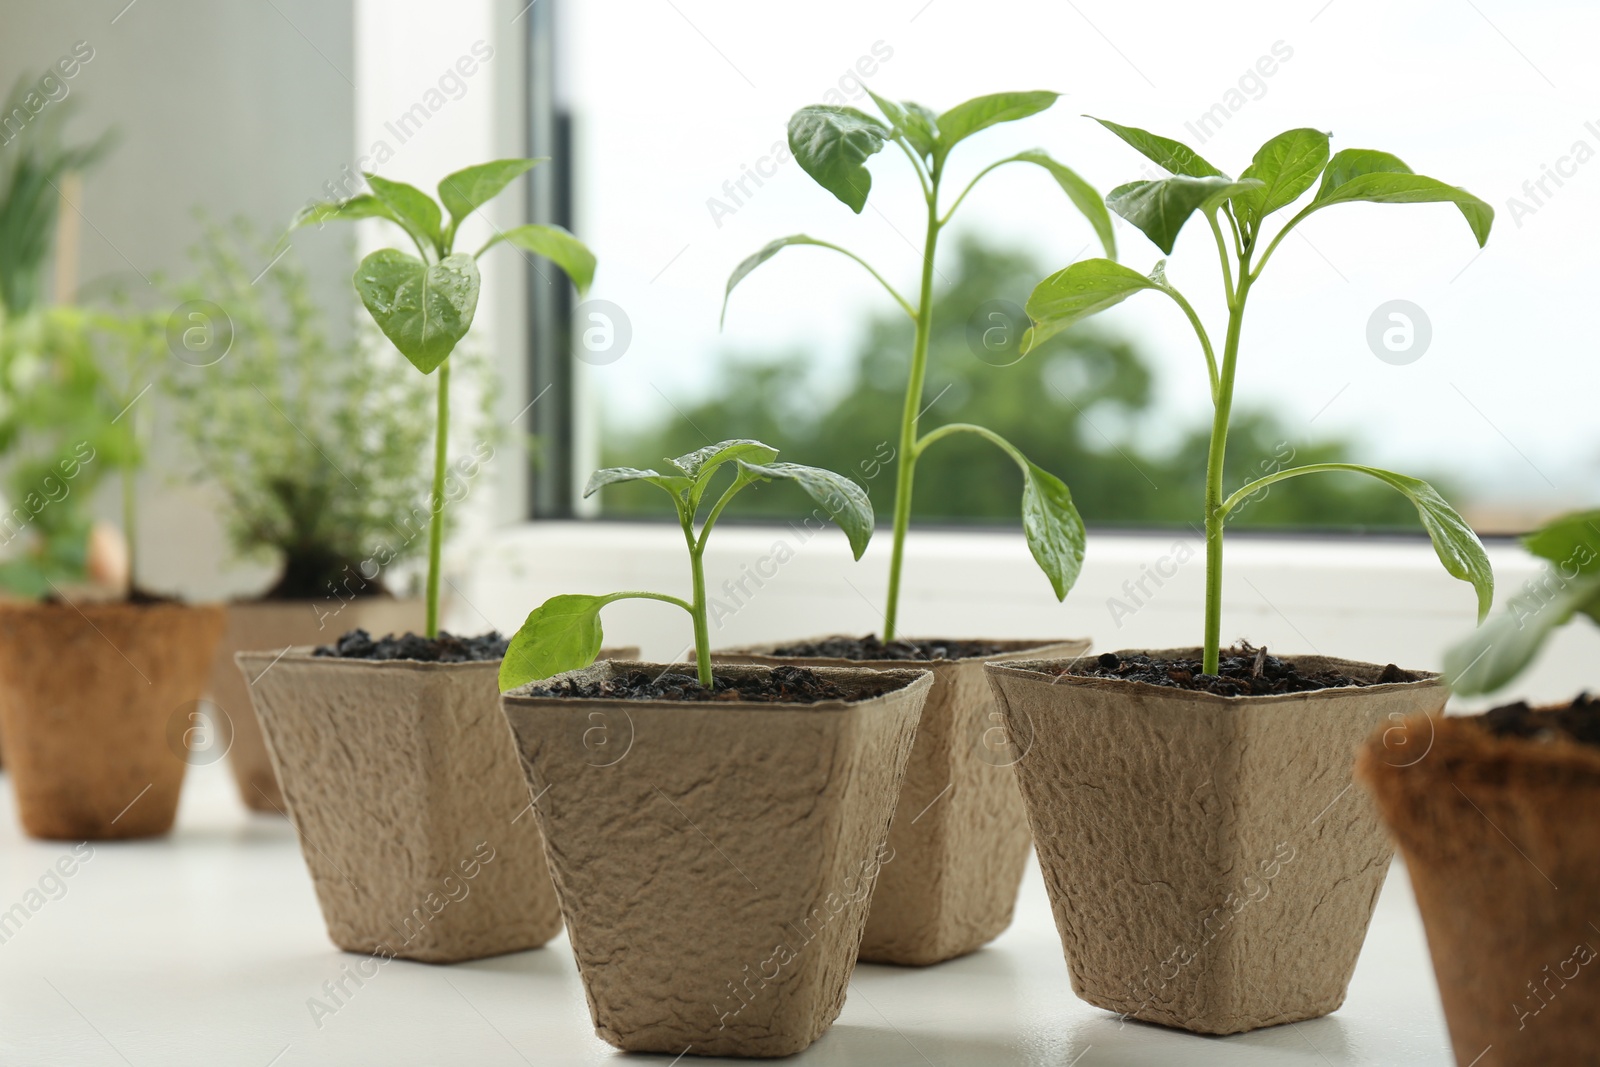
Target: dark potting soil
[[870, 647], [1578, 721], [1243, 671], [446, 648], [789, 685]]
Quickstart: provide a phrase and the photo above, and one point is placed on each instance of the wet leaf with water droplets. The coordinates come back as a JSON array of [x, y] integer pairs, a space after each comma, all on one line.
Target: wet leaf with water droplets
[[425, 310]]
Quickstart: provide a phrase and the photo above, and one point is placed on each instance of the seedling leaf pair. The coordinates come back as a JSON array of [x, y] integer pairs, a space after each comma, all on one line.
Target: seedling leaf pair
[[564, 633]]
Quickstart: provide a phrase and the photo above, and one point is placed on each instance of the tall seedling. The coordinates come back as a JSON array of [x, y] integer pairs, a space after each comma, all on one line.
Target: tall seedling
[[832, 144], [425, 303], [1283, 170]]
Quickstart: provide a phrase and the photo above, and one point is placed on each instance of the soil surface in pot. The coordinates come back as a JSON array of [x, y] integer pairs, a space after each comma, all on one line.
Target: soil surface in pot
[[1244, 671], [785, 685], [871, 647], [446, 648], [1578, 721]]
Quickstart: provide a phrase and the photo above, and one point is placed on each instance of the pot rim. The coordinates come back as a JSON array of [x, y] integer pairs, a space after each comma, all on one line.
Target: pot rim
[[21, 606], [298, 601], [918, 681], [1023, 646], [302, 654], [1029, 669], [1470, 746]]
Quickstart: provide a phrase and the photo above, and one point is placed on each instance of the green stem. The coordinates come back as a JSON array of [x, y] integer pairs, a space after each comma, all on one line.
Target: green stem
[[130, 516], [1214, 512], [907, 459], [966, 427], [1200, 332], [441, 449], [1261, 264], [1245, 492], [702, 632]]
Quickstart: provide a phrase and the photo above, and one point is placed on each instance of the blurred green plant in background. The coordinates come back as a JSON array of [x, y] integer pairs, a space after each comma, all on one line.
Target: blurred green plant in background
[[59, 436], [60, 440], [1082, 405], [32, 167], [318, 448]]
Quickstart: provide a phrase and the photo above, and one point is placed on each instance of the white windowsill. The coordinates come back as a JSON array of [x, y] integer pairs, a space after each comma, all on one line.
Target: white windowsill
[[1375, 599]]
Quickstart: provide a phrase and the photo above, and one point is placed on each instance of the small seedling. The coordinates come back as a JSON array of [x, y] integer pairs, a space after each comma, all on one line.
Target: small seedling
[[1283, 170], [832, 144], [425, 303], [1499, 651], [563, 633]]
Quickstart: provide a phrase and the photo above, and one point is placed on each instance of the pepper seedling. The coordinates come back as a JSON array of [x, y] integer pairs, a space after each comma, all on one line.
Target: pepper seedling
[[1494, 654], [1282, 171], [564, 633], [832, 144], [425, 303]]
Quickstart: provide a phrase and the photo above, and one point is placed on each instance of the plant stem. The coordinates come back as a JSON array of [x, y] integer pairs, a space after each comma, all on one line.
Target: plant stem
[[702, 632], [1215, 515], [130, 516], [441, 449], [907, 459]]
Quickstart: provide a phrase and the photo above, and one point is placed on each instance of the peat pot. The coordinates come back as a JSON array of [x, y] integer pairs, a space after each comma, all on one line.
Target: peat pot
[[1501, 837], [95, 701], [714, 861], [1209, 864], [402, 782], [960, 836], [257, 625]]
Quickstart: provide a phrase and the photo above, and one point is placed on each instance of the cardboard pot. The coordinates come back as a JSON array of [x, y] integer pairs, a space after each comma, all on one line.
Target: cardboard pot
[[1489, 828], [95, 701], [714, 861], [404, 787], [258, 625], [960, 835], [1209, 864]]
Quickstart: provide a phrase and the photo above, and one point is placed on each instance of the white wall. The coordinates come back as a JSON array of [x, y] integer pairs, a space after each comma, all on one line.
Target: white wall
[[233, 107]]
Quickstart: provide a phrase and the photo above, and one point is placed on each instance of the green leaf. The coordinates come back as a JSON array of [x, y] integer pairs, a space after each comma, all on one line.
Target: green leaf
[[1081, 193], [1498, 651], [1454, 542], [555, 244], [702, 461], [1160, 208], [832, 144], [413, 209], [1360, 174], [562, 634], [921, 128], [364, 206], [1081, 290], [425, 310], [964, 120], [1172, 156], [672, 483], [915, 123], [1053, 527], [755, 259], [1353, 163], [1288, 165], [1572, 542], [845, 502], [468, 189]]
